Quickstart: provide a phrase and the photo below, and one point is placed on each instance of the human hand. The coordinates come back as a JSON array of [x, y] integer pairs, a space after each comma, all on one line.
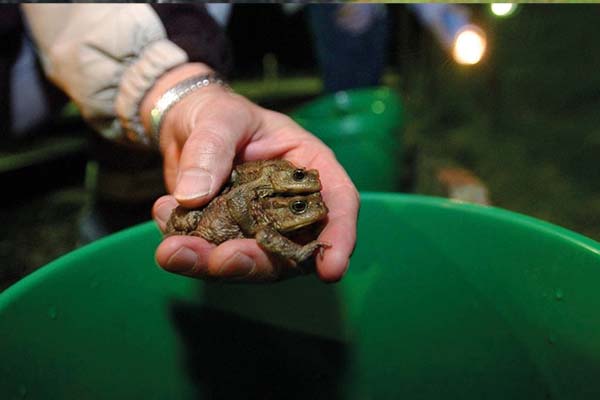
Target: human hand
[[201, 138]]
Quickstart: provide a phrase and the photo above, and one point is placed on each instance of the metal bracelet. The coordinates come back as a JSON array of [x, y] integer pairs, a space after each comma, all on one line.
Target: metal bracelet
[[175, 95]]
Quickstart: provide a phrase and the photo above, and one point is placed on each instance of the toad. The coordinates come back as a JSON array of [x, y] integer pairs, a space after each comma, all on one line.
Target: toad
[[266, 200], [269, 177]]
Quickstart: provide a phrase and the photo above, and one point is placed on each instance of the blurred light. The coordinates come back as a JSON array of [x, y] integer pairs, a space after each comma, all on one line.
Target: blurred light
[[503, 9], [443, 20], [469, 45], [378, 107]]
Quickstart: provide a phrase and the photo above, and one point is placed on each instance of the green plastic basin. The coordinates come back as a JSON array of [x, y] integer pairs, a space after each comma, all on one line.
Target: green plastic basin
[[363, 128], [443, 300]]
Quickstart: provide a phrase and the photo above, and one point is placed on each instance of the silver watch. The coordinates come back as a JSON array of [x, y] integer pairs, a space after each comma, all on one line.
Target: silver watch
[[175, 95]]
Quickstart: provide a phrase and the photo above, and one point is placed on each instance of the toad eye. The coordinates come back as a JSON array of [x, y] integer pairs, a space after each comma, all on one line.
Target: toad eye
[[298, 175], [298, 206]]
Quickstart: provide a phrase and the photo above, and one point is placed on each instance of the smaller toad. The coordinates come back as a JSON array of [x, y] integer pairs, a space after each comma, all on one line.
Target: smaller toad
[[272, 177]]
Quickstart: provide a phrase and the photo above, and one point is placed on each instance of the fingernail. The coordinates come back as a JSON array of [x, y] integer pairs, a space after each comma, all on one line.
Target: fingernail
[[183, 260], [193, 183], [238, 265], [163, 214]]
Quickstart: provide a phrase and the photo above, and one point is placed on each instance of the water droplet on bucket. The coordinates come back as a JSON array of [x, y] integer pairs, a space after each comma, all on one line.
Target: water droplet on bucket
[[94, 284], [559, 295], [52, 313], [551, 339], [22, 391]]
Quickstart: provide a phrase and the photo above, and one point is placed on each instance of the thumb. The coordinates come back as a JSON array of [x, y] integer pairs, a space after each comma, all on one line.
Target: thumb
[[206, 160]]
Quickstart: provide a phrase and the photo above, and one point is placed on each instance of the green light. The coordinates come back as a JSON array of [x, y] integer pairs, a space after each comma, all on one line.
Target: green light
[[378, 107]]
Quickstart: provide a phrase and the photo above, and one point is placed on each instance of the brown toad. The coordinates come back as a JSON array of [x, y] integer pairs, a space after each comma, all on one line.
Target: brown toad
[[270, 177], [259, 203]]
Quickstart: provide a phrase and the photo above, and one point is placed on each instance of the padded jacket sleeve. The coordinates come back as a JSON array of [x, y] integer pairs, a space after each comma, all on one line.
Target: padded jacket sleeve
[[107, 56]]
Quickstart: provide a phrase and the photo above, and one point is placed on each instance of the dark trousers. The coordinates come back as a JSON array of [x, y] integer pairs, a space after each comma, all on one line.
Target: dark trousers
[[11, 30], [348, 59]]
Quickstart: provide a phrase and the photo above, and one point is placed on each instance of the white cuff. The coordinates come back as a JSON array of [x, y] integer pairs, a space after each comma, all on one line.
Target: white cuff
[[157, 58], [104, 56]]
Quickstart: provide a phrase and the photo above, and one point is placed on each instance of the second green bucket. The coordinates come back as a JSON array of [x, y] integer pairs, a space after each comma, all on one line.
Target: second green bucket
[[362, 127]]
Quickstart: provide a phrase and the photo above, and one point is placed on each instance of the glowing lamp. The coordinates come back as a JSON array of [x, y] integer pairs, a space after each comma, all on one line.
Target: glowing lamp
[[469, 45], [503, 9]]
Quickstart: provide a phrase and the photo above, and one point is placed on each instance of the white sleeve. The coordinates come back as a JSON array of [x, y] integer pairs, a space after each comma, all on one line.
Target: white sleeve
[[104, 56]]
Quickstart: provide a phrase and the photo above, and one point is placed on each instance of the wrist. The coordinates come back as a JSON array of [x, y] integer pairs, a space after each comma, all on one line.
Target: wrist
[[164, 85]]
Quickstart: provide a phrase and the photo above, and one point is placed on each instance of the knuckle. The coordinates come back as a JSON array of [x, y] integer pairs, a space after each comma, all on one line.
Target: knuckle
[[328, 152], [282, 119]]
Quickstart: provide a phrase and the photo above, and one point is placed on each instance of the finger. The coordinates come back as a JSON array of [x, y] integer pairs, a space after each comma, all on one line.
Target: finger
[[340, 232], [343, 202], [208, 153], [240, 259], [244, 260], [235, 260], [204, 166], [171, 156], [161, 211], [184, 255]]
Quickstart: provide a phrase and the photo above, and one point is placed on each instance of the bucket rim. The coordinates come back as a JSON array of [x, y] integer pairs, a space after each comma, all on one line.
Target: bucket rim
[[23, 286]]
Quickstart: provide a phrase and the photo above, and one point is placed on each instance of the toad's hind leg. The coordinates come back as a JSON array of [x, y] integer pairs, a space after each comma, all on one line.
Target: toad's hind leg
[[274, 242]]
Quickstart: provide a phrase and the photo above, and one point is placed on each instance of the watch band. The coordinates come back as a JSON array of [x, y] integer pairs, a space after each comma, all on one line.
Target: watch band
[[175, 95]]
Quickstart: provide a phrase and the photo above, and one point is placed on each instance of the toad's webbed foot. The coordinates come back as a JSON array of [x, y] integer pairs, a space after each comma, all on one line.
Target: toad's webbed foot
[[275, 243]]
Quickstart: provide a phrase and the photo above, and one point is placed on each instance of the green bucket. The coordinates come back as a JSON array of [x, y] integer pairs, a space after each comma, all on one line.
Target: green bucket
[[363, 128], [443, 300]]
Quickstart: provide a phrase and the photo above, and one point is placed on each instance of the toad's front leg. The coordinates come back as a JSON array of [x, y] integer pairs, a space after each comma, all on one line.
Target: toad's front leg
[[274, 242], [182, 221]]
